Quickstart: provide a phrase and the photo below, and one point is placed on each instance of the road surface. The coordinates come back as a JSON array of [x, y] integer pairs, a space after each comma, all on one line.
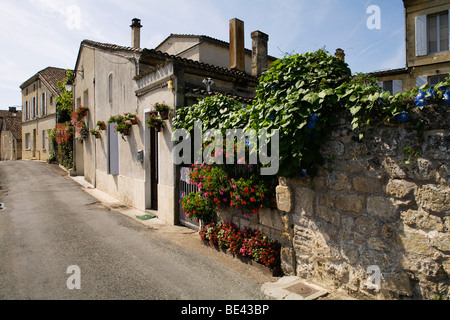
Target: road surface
[[54, 235]]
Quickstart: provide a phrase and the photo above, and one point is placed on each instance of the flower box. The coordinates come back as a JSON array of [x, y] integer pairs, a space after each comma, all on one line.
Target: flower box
[[272, 272]]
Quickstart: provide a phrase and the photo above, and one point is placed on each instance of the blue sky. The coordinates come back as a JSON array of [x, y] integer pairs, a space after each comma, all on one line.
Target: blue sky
[[40, 33]]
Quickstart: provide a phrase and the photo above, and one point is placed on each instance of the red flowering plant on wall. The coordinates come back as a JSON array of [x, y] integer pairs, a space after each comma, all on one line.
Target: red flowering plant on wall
[[197, 207], [63, 133], [212, 183], [258, 247], [250, 194], [78, 115], [252, 244]]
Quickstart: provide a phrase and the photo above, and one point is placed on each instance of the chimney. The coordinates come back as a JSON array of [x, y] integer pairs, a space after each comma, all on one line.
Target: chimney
[[340, 54], [136, 33], [13, 109], [259, 52], [237, 45]]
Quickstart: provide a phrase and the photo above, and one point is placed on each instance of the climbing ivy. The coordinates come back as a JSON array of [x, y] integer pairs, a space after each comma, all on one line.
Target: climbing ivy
[[301, 96]]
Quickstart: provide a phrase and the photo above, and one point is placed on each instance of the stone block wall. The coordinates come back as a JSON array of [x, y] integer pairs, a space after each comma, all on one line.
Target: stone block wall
[[383, 201]]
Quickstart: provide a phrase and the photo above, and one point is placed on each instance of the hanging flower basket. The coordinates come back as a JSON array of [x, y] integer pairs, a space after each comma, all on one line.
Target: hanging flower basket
[[101, 125], [163, 110], [132, 117], [95, 133], [155, 121]]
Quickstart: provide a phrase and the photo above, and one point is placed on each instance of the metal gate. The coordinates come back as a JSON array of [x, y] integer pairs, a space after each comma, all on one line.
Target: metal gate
[[184, 189]]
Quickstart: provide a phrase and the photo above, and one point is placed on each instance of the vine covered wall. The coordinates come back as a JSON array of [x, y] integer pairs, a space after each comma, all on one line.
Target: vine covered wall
[[383, 201]]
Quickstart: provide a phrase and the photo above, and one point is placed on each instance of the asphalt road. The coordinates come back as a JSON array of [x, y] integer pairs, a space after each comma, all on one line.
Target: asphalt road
[[50, 224]]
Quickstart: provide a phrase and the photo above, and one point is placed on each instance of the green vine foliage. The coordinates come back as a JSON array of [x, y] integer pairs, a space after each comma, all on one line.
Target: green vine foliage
[[301, 96], [65, 99]]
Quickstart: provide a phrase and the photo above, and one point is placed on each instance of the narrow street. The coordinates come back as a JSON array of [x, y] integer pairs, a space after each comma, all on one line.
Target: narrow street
[[50, 223]]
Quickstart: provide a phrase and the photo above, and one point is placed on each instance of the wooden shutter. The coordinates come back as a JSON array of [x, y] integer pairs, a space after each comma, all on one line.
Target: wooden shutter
[[420, 81], [397, 86], [421, 36], [113, 150], [448, 29]]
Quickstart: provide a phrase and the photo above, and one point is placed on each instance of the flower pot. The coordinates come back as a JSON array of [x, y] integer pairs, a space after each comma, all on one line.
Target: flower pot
[[158, 129], [126, 132], [98, 136], [164, 114], [102, 127], [134, 120]]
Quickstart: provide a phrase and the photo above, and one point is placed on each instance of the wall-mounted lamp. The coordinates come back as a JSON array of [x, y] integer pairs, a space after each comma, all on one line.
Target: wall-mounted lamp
[[170, 85], [69, 84], [208, 83]]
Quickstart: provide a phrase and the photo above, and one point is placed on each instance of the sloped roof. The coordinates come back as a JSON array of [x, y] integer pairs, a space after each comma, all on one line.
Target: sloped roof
[[50, 77], [153, 54], [389, 72], [208, 39], [8, 122]]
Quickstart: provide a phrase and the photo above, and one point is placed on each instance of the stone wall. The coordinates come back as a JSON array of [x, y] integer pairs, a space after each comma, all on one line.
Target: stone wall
[[384, 202]]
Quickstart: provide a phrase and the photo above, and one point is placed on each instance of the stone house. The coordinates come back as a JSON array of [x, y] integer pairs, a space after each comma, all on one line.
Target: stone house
[[39, 111], [112, 79], [427, 47], [10, 134]]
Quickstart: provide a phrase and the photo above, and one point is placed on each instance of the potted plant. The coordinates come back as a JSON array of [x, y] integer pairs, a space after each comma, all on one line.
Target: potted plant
[[162, 109], [123, 127], [95, 133], [123, 124], [132, 117], [84, 131], [155, 122], [101, 125]]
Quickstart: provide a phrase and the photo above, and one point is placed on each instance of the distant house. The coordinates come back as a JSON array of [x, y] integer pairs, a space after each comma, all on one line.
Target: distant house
[[112, 79], [427, 47], [10, 134], [39, 111]]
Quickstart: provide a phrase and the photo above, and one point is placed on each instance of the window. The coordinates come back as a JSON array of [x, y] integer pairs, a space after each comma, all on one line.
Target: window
[[25, 109], [27, 141], [44, 139], [110, 89], [432, 33], [33, 107], [437, 32], [393, 86], [43, 103], [387, 86], [86, 98], [433, 81]]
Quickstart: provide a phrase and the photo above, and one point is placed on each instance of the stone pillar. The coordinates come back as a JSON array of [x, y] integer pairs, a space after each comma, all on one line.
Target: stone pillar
[[259, 52], [136, 33], [237, 45]]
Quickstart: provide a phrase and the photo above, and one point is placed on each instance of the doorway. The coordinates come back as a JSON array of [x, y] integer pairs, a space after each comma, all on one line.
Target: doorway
[[154, 174]]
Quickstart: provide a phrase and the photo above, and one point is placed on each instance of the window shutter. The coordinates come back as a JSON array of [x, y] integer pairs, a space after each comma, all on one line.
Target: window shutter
[[421, 36], [420, 81], [113, 148], [397, 86]]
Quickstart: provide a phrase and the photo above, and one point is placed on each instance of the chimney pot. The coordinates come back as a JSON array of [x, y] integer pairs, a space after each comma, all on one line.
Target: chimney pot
[[237, 44], [259, 52], [340, 54], [136, 33]]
